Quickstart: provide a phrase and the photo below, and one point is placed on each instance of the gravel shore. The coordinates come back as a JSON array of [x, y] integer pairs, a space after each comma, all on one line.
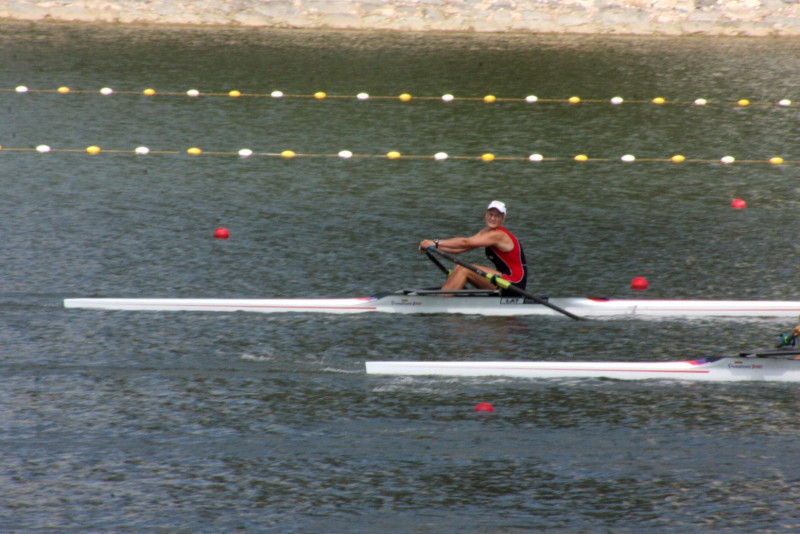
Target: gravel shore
[[639, 17]]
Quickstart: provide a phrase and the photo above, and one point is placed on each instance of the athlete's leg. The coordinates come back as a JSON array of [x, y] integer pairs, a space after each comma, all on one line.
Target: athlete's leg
[[461, 275]]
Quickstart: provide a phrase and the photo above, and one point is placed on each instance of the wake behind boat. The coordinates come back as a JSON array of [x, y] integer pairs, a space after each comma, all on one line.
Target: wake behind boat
[[468, 302], [774, 366]]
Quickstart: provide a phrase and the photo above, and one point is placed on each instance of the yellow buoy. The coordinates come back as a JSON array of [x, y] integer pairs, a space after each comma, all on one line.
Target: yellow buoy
[[678, 158], [574, 100], [93, 149], [489, 99], [63, 90], [393, 154], [149, 92], [658, 100], [288, 154], [234, 93], [777, 160], [487, 157], [320, 95], [194, 151], [405, 97], [743, 102], [581, 157]]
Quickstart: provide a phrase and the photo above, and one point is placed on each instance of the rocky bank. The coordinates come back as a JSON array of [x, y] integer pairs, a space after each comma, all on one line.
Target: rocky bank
[[641, 17]]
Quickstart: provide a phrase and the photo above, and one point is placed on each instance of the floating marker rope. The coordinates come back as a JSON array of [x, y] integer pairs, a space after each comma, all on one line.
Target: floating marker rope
[[406, 97], [395, 155]]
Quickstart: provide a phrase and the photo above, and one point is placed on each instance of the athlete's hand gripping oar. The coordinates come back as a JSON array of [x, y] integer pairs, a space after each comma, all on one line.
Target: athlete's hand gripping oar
[[503, 283]]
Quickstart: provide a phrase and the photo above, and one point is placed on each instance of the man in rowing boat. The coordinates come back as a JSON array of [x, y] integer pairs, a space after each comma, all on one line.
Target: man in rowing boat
[[502, 248], [789, 340]]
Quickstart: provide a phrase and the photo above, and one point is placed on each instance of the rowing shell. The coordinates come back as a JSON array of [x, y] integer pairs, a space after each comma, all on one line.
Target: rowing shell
[[464, 302], [722, 369]]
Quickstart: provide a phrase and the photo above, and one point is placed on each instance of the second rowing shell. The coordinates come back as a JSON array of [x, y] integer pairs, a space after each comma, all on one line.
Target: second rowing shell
[[720, 369]]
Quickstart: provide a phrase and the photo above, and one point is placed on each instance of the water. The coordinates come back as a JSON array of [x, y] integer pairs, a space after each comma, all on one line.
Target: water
[[114, 421]]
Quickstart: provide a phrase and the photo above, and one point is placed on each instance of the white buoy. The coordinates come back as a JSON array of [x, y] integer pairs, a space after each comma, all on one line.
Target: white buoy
[[245, 152], [142, 150], [440, 156], [362, 96], [448, 97], [536, 157], [276, 94], [106, 91], [727, 159], [617, 100], [21, 89], [628, 158], [531, 98], [43, 149], [700, 102], [193, 93], [785, 102], [345, 154]]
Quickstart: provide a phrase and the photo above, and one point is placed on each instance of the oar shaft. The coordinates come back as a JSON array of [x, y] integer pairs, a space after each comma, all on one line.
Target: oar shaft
[[436, 262], [503, 283]]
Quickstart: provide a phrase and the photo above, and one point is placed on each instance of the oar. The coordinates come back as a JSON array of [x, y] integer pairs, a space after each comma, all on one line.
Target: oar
[[436, 262], [444, 269], [771, 353], [501, 282]]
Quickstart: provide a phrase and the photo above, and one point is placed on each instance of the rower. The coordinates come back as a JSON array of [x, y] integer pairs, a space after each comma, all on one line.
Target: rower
[[789, 340], [502, 248]]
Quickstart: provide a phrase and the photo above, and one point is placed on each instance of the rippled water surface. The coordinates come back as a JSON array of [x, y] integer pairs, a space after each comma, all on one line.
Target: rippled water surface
[[195, 422]]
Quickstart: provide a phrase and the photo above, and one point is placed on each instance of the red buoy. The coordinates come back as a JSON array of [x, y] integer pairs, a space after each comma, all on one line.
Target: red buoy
[[639, 283], [738, 204], [484, 407], [222, 233]]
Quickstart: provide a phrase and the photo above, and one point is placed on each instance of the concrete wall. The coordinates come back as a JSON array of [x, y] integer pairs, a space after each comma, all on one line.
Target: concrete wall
[[659, 17]]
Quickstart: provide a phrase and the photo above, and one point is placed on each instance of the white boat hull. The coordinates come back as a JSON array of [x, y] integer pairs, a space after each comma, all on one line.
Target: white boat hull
[[711, 370], [471, 305], [348, 305]]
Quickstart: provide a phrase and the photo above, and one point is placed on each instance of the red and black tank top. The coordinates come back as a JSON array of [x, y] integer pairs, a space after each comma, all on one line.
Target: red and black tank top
[[512, 263]]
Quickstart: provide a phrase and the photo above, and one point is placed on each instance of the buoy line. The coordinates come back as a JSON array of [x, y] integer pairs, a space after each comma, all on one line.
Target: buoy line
[[393, 155], [406, 97]]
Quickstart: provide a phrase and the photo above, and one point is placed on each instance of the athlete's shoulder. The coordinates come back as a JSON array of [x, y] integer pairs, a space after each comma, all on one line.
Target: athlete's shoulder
[[506, 231]]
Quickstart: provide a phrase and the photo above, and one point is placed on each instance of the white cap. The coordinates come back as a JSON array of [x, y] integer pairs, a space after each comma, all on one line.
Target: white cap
[[499, 206]]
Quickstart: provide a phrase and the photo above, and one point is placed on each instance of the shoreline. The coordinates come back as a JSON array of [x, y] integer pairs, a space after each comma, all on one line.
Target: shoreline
[[730, 18]]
